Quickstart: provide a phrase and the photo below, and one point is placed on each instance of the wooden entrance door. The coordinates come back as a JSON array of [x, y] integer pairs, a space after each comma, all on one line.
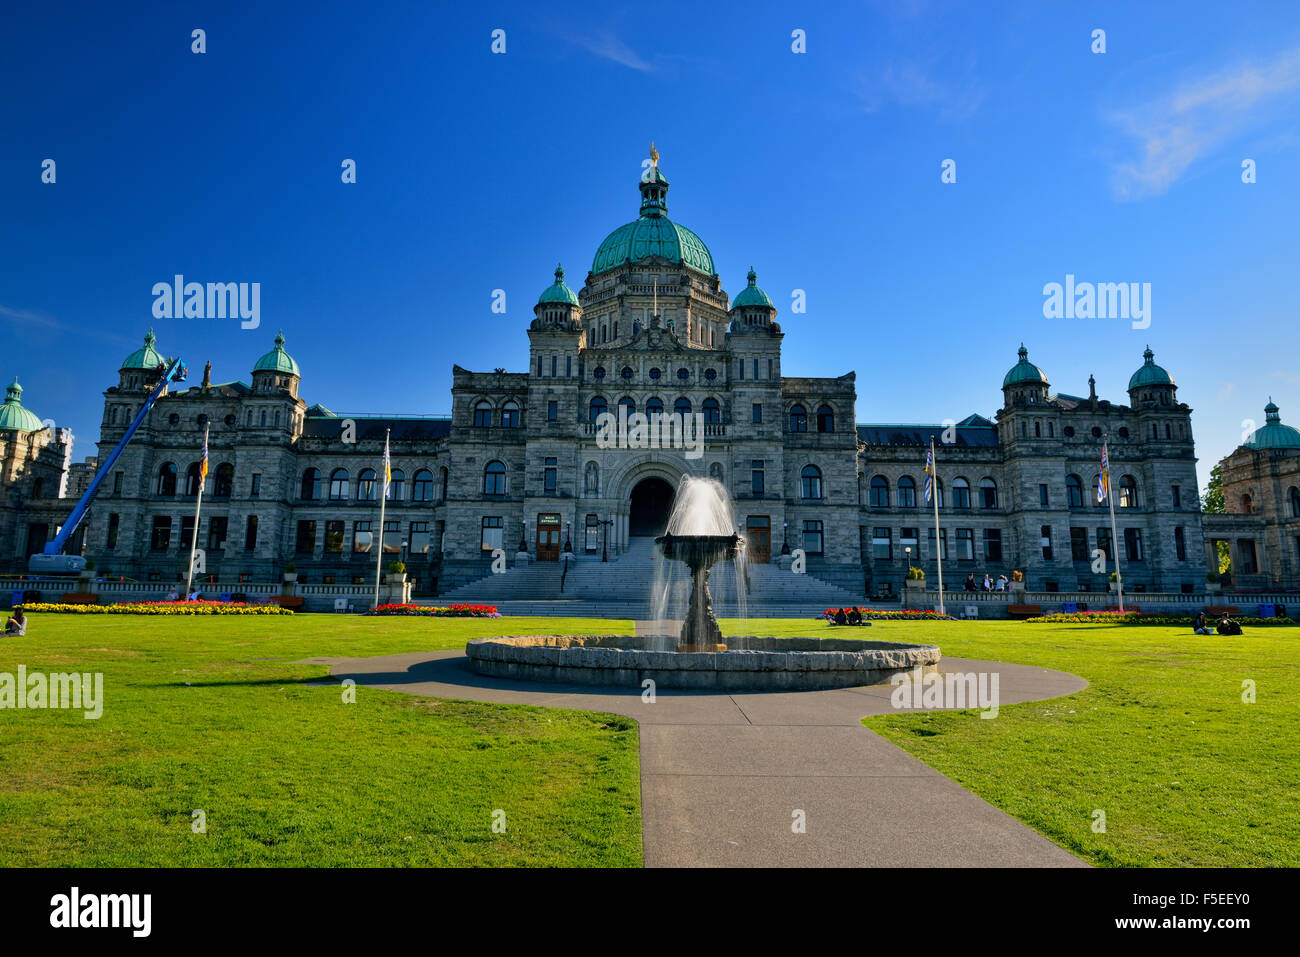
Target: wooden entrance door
[[548, 538], [758, 533]]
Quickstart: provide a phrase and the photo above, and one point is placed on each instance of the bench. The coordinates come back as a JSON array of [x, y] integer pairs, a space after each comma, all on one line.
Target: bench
[[1219, 611], [1024, 611], [79, 598], [292, 602]]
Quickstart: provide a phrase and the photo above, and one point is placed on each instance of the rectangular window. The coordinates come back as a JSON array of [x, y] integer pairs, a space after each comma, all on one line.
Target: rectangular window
[[966, 544], [812, 537], [256, 490], [250, 534], [740, 366], [1178, 495], [1042, 496], [554, 360], [593, 534], [539, 367], [1133, 544], [1180, 543], [1246, 553], [1079, 544], [392, 538], [161, 538], [493, 533], [882, 545], [187, 531], [113, 520], [755, 368], [909, 538], [419, 538], [117, 483], [756, 476], [1104, 544], [548, 477], [306, 541], [758, 413], [568, 367], [362, 537], [334, 537], [769, 368], [993, 544], [217, 532], [1045, 539], [929, 544], [552, 411]]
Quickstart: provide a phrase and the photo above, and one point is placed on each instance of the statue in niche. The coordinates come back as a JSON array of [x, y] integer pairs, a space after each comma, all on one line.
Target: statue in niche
[[591, 479]]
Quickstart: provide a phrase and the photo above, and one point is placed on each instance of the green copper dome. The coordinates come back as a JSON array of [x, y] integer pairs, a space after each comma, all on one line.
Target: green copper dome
[[558, 291], [1273, 434], [12, 414], [145, 358], [277, 360], [1024, 372], [1149, 374], [751, 295], [654, 234]]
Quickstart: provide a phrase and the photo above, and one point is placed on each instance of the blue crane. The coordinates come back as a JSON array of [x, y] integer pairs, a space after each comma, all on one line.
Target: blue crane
[[53, 560]]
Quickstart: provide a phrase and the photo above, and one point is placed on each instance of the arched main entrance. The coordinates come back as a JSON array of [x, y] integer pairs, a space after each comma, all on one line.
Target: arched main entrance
[[652, 500]]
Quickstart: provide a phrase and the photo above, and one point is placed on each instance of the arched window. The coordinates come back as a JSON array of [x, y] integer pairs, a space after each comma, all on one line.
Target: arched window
[[798, 419], [712, 412], [510, 415], [960, 493], [366, 486], [1247, 505], [422, 486], [654, 406], [879, 492], [1073, 491], [811, 482], [310, 490], [906, 492], [38, 488], [224, 482], [682, 406], [339, 485], [627, 402], [494, 479], [192, 480], [396, 488], [1128, 492], [598, 408], [825, 419], [167, 479], [988, 493], [483, 414], [1294, 497]]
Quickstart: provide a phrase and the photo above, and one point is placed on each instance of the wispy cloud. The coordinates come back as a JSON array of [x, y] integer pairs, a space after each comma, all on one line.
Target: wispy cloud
[[1174, 130], [605, 44], [25, 319], [913, 84]]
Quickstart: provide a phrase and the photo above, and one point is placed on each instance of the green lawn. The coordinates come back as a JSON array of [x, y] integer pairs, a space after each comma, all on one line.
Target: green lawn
[[1161, 741], [212, 714]]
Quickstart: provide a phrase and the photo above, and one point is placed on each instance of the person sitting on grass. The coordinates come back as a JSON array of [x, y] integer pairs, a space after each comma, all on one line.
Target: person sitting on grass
[[840, 617], [1228, 627], [1201, 626], [17, 623], [855, 616]]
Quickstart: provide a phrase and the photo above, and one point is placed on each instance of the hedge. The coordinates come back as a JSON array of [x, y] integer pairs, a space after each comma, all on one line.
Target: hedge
[[159, 608]]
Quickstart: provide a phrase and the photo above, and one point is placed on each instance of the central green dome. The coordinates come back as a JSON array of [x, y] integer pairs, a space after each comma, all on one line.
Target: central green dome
[[653, 234], [12, 414]]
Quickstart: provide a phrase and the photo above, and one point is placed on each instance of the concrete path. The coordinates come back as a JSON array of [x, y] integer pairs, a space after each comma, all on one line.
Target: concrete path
[[723, 775]]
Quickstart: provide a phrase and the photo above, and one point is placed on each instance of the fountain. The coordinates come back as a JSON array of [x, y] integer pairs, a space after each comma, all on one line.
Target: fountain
[[700, 534]]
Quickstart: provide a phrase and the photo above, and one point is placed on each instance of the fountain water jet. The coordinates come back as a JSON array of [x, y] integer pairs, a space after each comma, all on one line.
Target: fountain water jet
[[701, 534]]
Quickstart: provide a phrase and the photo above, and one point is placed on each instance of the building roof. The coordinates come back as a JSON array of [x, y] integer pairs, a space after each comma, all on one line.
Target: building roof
[[1273, 434], [277, 360], [751, 295], [653, 234], [1150, 373], [146, 357], [558, 291], [981, 433], [1024, 372], [374, 428], [13, 417]]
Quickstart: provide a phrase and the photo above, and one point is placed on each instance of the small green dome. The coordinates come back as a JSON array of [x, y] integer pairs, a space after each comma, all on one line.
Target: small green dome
[[1149, 374], [1024, 372], [654, 234], [277, 360], [1273, 434], [13, 416], [145, 358], [751, 295], [558, 291]]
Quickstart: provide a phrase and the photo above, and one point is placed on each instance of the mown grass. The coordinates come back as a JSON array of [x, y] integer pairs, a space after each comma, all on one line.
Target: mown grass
[[1161, 741], [213, 715]]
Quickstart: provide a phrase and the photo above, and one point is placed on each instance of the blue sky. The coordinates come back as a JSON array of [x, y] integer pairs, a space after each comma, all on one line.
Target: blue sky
[[479, 171]]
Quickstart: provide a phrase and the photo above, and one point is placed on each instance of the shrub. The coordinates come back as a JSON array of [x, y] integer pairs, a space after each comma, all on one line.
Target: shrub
[[888, 614], [916, 574], [1146, 618], [1212, 577], [433, 611], [396, 568], [1017, 576]]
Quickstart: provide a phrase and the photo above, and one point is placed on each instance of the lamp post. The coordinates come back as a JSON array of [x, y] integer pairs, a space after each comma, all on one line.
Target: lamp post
[[568, 545], [404, 545], [908, 552], [523, 535], [604, 539], [785, 536]]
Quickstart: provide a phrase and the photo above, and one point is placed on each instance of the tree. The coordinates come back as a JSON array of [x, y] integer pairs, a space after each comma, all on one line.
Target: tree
[[1212, 500]]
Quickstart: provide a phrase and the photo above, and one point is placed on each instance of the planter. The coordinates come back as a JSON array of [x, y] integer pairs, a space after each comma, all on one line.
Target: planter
[[398, 578], [290, 577], [1213, 588]]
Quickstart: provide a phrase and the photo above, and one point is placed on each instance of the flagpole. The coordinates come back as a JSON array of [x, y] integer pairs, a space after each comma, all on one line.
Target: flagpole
[[938, 539], [198, 505], [383, 497], [1114, 532]]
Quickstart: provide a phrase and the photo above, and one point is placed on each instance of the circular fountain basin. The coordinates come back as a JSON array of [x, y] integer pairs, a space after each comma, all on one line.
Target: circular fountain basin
[[792, 664]]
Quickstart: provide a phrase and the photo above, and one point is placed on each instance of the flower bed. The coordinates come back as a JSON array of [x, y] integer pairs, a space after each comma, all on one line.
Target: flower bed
[[1147, 618], [434, 611], [886, 614], [161, 608]]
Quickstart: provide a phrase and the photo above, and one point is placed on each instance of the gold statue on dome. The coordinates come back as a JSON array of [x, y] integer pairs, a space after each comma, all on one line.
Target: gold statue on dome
[[654, 154]]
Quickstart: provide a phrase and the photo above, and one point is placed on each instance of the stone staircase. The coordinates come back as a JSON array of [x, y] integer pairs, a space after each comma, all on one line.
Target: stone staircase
[[622, 588]]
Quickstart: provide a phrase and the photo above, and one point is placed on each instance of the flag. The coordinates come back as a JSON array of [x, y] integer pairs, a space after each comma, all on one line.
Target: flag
[[388, 469], [1103, 477], [203, 463], [929, 473]]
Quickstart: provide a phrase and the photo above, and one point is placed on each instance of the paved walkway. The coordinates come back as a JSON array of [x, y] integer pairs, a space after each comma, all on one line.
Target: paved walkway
[[723, 774]]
